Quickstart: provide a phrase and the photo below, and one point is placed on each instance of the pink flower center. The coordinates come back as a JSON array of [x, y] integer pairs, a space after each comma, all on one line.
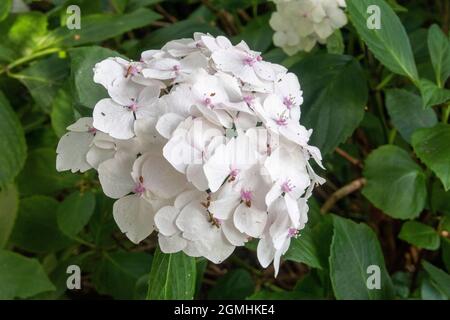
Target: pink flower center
[[287, 187], [92, 130], [281, 121], [292, 232], [246, 195], [139, 189], [176, 68], [250, 61], [207, 102], [234, 173], [288, 102], [133, 107], [249, 99]]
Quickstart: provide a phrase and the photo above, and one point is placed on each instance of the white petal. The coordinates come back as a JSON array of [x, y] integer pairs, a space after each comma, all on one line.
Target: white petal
[[171, 244], [115, 176], [114, 119], [168, 123], [250, 220], [265, 252], [72, 149], [96, 156], [233, 235], [165, 220], [134, 216], [81, 125], [161, 178]]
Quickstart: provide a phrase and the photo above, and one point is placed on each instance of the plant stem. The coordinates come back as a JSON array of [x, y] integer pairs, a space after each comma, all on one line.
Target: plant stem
[[29, 58], [445, 114]]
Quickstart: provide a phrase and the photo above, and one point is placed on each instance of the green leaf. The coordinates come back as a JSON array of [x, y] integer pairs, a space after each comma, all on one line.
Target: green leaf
[[12, 143], [433, 148], [21, 277], [74, 212], [43, 79], [390, 44], [63, 113], [335, 43], [395, 183], [432, 95], [39, 176], [312, 246], [420, 235], [99, 27], [440, 199], [118, 273], [172, 277], [36, 228], [9, 203], [257, 34], [429, 290], [24, 34], [439, 278], [234, 285], [86, 91], [5, 8], [446, 253], [182, 29], [439, 47], [335, 93], [355, 247], [406, 112]]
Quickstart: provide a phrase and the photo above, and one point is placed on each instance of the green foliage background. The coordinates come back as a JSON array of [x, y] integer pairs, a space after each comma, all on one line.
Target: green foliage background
[[377, 100]]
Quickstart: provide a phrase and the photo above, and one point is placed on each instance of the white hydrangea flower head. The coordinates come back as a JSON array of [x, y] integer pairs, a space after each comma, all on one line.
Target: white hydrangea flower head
[[200, 141], [300, 24]]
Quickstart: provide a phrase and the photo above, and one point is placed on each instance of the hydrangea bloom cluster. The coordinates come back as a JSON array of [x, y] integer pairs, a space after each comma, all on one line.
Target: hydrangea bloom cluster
[[201, 141], [300, 24]]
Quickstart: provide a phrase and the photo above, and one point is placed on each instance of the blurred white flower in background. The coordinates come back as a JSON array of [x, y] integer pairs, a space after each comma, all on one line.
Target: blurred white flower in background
[[300, 24], [201, 141]]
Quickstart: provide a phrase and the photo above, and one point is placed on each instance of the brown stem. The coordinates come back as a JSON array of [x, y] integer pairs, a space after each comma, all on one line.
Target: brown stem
[[349, 158], [342, 192]]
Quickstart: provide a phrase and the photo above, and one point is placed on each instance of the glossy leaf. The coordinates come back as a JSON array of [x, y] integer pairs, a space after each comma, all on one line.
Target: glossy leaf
[[335, 94], [406, 112], [390, 43], [172, 277], [395, 183], [433, 148], [354, 249], [420, 235]]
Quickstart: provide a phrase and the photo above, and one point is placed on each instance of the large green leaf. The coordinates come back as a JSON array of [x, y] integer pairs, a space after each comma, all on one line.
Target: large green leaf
[[406, 112], [312, 246], [390, 43], [39, 176], [86, 91], [395, 183], [5, 8], [99, 27], [172, 277], [23, 35], [439, 278], [75, 211], [9, 203], [355, 247], [433, 148], [182, 29], [21, 277], [235, 285], [43, 79], [12, 143], [36, 228], [439, 46], [63, 113], [335, 94], [432, 95], [420, 235], [118, 272], [257, 34]]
